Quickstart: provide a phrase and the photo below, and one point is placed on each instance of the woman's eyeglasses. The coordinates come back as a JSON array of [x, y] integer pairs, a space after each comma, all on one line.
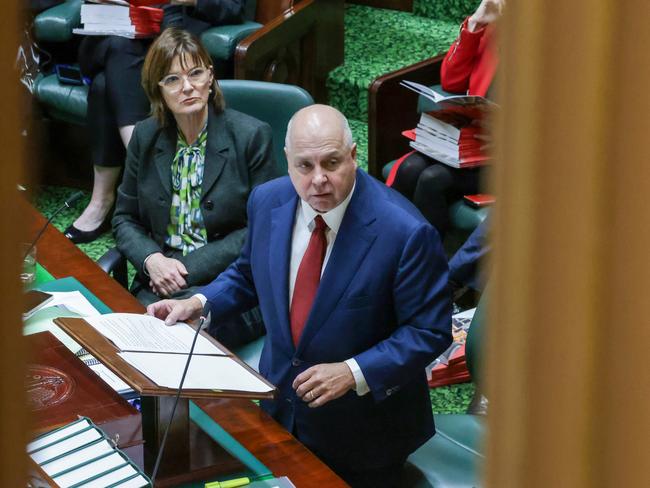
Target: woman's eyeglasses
[[196, 76]]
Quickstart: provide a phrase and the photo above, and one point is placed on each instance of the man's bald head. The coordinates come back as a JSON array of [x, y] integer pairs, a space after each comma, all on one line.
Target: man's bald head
[[314, 118], [321, 156]]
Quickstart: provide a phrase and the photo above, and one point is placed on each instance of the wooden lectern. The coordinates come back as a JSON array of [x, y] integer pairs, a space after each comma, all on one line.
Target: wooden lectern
[[190, 454]]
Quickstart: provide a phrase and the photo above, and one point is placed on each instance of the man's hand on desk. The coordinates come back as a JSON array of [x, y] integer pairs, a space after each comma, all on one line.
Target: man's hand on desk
[[167, 274], [172, 311], [323, 383]]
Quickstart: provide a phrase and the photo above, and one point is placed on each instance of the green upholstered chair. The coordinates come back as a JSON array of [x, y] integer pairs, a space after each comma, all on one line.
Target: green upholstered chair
[[453, 457], [274, 103]]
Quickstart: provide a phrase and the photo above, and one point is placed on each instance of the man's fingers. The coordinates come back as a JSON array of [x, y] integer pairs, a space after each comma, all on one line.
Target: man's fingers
[[320, 400], [174, 315], [158, 309], [302, 377]]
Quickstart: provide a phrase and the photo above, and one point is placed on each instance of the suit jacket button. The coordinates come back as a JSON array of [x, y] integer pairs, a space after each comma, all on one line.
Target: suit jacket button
[[208, 205], [295, 362]]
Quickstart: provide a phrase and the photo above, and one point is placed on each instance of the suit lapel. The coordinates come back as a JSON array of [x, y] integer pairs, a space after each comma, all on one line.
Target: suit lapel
[[165, 149], [352, 243], [216, 151], [282, 218]]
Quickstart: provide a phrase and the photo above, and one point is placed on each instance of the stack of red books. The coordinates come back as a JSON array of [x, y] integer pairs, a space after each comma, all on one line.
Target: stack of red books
[[449, 132]]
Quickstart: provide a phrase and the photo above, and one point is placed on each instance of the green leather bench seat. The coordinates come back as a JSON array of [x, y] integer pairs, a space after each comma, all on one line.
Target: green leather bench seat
[[221, 41], [446, 461], [250, 353], [62, 102], [55, 24], [466, 218]]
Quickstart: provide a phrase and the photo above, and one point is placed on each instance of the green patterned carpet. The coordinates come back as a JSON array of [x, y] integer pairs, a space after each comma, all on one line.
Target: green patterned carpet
[[376, 42], [379, 41]]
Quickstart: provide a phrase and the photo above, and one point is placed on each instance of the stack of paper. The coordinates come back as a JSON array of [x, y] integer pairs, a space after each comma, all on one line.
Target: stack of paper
[[160, 352], [448, 133], [120, 18]]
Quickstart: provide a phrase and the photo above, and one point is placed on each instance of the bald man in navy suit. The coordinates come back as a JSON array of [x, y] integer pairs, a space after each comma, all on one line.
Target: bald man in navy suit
[[352, 284]]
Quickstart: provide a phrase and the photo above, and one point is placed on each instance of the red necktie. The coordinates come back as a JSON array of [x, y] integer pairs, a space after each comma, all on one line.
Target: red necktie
[[308, 278]]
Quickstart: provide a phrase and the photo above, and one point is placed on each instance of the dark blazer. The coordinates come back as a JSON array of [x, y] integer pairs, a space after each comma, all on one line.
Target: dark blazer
[[206, 14], [382, 299], [238, 157]]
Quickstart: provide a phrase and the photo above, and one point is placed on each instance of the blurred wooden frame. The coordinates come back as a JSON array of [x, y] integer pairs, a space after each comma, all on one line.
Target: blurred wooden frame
[[298, 44], [13, 415]]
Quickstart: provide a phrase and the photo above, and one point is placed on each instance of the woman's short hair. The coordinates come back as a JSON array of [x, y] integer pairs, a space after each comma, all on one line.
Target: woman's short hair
[[171, 43]]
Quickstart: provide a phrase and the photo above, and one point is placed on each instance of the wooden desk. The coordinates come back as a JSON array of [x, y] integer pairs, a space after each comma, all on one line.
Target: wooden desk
[[250, 426]]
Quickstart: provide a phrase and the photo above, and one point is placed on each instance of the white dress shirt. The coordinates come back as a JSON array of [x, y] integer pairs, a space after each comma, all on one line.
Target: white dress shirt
[[302, 228]]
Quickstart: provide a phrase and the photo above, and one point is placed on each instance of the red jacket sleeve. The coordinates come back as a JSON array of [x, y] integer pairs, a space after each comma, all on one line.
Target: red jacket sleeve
[[461, 60]]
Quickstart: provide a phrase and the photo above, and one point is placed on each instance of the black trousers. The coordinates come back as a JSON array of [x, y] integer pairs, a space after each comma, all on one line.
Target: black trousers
[[116, 98], [384, 477], [432, 185]]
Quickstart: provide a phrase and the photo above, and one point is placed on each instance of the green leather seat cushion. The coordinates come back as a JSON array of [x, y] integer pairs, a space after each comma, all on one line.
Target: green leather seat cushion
[[55, 24], [445, 463], [63, 102], [221, 41], [250, 353]]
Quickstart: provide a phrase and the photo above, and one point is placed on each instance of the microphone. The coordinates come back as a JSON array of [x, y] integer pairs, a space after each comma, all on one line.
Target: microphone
[[67, 204], [204, 314]]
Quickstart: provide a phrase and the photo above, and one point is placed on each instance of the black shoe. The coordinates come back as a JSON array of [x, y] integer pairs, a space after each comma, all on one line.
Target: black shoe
[[81, 236]]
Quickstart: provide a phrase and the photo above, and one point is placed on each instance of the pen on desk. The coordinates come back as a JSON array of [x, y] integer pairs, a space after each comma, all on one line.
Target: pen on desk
[[234, 483], [229, 483]]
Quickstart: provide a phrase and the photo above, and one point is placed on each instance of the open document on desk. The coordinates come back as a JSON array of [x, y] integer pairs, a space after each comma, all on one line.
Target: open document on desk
[[160, 352]]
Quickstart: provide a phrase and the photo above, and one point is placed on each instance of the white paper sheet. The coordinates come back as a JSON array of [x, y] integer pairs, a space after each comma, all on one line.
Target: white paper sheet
[[87, 471], [76, 458], [59, 434], [67, 445], [109, 479], [110, 378], [204, 373], [134, 332], [73, 301]]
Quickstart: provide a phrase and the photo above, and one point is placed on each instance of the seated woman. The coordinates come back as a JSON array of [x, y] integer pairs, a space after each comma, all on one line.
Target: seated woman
[[180, 216], [468, 68], [116, 100]]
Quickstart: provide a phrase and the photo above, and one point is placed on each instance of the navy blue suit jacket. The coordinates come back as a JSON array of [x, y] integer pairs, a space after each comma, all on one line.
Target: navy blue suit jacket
[[382, 300]]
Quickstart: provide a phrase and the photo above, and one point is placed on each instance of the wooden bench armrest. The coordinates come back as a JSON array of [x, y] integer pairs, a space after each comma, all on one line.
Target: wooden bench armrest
[[393, 109], [300, 47]]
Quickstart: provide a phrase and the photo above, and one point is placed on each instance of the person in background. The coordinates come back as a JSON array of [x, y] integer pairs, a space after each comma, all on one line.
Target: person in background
[[116, 100], [352, 285], [468, 68], [180, 216]]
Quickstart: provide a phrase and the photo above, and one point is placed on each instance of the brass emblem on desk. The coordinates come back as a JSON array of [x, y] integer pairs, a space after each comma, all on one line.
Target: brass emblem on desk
[[47, 386]]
